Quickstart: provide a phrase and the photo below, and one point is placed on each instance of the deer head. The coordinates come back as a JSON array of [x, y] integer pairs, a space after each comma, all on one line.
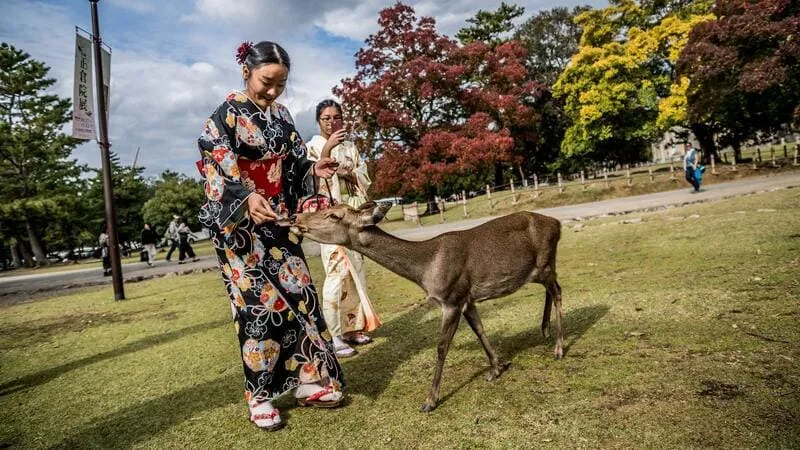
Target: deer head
[[340, 224]]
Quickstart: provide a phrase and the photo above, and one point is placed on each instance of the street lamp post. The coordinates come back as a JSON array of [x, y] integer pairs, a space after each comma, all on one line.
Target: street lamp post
[[108, 187]]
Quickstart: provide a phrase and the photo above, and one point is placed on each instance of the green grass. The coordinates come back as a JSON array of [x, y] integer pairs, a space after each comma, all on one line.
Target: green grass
[[682, 332]]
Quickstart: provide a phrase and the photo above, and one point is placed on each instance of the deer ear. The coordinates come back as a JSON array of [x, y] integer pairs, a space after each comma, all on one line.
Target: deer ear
[[371, 213]]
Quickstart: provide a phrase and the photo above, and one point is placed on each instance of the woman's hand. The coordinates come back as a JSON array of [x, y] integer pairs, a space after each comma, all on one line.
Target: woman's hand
[[325, 167], [259, 209], [335, 139]]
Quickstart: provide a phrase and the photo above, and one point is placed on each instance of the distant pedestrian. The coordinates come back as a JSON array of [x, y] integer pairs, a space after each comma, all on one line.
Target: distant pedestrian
[[102, 240], [185, 248], [172, 236], [149, 243], [692, 167]]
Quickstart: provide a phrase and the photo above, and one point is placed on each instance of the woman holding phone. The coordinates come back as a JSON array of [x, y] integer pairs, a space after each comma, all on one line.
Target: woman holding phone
[[254, 164], [345, 303]]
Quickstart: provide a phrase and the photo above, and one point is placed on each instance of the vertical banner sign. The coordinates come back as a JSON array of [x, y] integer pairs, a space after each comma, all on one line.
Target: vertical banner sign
[[105, 58], [82, 98]]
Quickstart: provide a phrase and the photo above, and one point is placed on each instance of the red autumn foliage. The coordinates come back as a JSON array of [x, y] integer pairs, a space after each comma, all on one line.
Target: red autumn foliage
[[744, 68], [425, 108]]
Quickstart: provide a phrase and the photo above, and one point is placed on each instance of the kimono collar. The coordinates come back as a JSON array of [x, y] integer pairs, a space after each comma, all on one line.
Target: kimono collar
[[272, 110]]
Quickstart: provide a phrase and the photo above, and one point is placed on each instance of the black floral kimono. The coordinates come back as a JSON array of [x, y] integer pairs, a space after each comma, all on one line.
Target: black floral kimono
[[283, 337]]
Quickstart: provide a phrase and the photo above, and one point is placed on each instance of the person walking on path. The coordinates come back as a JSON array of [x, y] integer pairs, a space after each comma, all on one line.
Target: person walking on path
[[149, 243], [345, 303], [185, 248], [102, 240], [172, 236], [255, 169], [692, 167]]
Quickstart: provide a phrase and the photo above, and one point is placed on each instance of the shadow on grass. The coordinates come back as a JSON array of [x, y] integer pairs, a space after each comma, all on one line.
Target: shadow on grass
[[370, 373], [44, 376], [576, 323], [145, 420]]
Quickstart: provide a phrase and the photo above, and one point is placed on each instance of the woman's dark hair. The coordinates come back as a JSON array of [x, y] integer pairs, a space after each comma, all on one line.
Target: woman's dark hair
[[265, 52], [327, 104]]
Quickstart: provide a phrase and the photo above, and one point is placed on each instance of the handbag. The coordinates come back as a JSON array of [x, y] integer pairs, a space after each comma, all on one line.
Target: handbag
[[316, 201]]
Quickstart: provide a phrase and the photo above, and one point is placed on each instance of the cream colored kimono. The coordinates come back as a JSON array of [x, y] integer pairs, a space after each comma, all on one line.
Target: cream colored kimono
[[345, 302]]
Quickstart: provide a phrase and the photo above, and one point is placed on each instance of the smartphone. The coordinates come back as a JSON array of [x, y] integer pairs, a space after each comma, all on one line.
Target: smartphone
[[337, 125]]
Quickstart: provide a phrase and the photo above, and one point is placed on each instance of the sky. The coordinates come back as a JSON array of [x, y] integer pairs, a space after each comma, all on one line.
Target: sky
[[173, 61]]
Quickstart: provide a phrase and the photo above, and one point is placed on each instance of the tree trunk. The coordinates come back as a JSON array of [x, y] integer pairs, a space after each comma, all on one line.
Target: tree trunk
[[705, 137], [36, 247], [26, 254], [498, 174], [16, 259], [737, 151]]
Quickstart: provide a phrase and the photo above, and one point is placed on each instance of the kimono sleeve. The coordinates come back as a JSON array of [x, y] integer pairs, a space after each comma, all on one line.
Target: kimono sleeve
[[225, 194], [360, 172], [298, 179]]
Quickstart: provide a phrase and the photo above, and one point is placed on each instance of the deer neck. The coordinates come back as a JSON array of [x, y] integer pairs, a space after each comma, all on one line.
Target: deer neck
[[409, 259]]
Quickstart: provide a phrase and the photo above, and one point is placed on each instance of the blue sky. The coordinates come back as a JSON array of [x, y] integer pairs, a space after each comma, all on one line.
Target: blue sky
[[173, 60]]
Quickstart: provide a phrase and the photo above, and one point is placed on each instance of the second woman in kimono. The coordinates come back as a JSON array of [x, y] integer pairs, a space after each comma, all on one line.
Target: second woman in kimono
[[345, 303]]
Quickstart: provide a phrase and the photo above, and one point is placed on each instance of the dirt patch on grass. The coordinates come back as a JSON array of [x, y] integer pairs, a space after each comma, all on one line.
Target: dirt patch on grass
[[720, 390]]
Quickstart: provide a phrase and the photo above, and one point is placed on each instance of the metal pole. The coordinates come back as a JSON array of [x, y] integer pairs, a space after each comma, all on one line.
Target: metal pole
[[108, 187]]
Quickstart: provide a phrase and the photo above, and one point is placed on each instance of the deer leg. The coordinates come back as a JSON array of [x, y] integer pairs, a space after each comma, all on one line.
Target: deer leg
[[450, 317], [554, 290], [474, 321], [548, 303]]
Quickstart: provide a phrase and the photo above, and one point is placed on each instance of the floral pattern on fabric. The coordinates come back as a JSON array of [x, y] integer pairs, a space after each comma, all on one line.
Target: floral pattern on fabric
[[282, 333]]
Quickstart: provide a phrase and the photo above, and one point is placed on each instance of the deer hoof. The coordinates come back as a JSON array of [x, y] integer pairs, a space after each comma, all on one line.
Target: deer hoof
[[495, 372], [558, 353], [427, 407], [546, 331]]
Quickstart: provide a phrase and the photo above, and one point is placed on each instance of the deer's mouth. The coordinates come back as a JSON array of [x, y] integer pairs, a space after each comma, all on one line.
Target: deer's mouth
[[298, 229]]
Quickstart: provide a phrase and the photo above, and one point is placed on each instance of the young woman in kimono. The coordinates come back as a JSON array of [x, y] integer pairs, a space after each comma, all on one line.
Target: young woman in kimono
[[255, 168], [345, 303]]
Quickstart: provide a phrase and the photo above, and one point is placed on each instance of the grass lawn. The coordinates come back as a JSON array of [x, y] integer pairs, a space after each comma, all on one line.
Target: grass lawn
[[682, 331]]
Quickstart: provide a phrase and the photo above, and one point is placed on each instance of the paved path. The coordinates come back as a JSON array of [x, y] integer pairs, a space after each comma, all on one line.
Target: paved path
[[27, 284]]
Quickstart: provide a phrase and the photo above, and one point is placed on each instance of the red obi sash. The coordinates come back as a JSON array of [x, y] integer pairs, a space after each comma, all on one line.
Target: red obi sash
[[262, 176]]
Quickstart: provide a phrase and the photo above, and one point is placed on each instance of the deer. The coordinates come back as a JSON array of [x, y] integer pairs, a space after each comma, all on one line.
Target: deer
[[456, 269]]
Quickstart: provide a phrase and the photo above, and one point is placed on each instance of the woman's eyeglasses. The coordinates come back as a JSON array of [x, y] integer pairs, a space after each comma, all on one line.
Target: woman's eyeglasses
[[329, 118]]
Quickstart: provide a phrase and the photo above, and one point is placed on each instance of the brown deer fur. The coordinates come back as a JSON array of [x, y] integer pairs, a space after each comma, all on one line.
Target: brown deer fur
[[455, 269]]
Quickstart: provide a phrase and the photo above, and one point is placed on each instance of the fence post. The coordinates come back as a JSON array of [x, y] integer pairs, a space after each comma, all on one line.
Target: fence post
[[513, 194], [536, 180], [441, 210], [795, 154], [671, 170], [755, 163], [758, 150], [583, 181], [772, 155], [650, 171], [628, 174], [785, 150], [524, 182], [560, 186], [713, 166], [733, 164], [605, 177], [464, 202], [724, 157], [489, 196]]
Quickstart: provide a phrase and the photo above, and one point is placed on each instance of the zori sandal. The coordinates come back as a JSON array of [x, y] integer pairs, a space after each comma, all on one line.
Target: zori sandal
[[268, 421], [315, 399]]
